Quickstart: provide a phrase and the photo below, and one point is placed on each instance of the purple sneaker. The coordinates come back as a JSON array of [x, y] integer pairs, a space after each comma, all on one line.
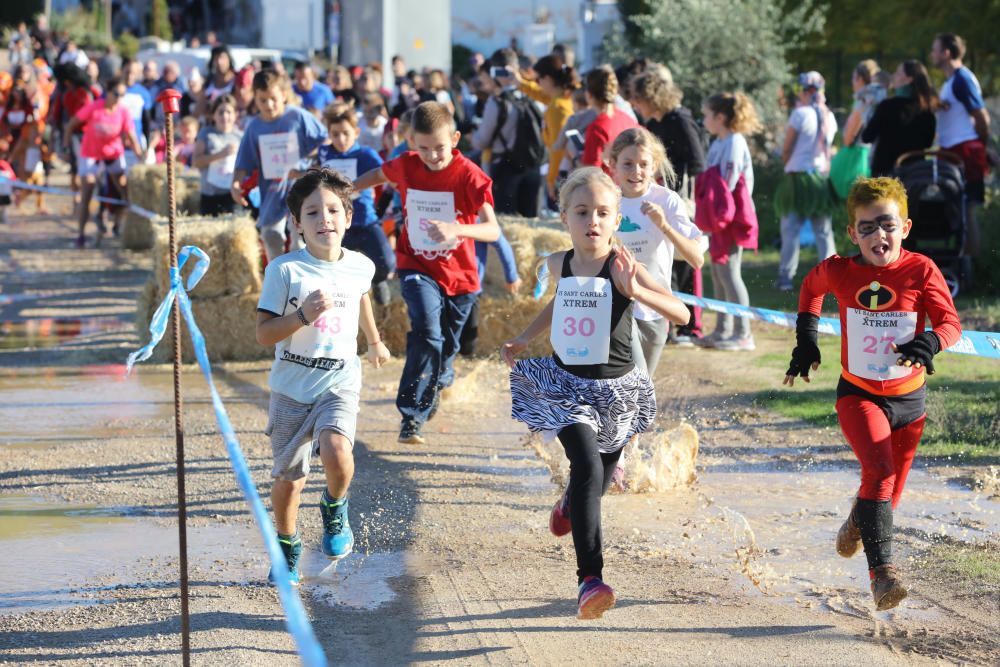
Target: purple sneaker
[[595, 598]]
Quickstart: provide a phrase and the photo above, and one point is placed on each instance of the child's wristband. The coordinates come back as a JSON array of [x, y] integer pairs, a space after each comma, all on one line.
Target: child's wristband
[[375, 343], [302, 317]]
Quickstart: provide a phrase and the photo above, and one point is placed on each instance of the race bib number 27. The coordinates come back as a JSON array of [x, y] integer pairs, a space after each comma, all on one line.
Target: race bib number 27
[[871, 335]]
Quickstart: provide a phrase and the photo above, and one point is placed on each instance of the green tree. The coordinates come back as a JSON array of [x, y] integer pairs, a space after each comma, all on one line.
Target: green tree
[[159, 20], [712, 47]]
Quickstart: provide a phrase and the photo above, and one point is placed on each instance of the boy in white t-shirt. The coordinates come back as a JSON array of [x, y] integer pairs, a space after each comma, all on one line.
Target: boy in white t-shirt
[[312, 302]]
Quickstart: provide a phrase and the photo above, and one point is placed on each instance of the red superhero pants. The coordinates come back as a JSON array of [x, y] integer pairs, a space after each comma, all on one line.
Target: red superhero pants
[[885, 454]]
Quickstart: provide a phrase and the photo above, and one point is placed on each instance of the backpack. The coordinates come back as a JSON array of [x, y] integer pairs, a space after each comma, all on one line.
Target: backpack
[[528, 150]]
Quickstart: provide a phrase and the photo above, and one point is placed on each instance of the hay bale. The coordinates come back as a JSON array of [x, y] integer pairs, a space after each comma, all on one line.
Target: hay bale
[[500, 319], [231, 243], [229, 325], [147, 187], [139, 232], [529, 238]]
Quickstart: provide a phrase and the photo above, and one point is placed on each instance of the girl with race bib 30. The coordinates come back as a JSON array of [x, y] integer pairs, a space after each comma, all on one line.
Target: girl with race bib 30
[[885, 295], [589, 393]]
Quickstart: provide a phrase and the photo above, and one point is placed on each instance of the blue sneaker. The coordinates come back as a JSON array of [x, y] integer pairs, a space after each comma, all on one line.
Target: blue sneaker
[[338, 538], [292, 548]]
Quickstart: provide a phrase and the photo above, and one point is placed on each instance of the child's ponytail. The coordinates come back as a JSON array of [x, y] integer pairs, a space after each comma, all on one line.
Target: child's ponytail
[[738, 110]]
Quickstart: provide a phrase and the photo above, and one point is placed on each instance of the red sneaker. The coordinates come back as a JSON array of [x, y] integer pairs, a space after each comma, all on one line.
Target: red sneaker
[[559, 521], [595, 598]]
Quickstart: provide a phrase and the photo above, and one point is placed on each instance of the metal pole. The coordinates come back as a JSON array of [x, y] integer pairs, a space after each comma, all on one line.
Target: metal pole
[[169, 99]]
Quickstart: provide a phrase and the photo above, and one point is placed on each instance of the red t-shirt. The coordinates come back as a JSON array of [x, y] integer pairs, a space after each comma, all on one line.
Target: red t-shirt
[[880, 306], [103, 129], [455, 270], [76, 99], [601, 133]]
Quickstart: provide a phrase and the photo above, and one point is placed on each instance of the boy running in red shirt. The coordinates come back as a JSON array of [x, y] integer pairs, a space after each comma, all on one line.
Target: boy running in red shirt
[[443, 194], [885, 296]]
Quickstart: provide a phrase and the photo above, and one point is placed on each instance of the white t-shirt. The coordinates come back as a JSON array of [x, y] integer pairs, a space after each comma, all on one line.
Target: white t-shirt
[[732, 156], [324, 355], [648, 243], [807, 154], [960, 95]]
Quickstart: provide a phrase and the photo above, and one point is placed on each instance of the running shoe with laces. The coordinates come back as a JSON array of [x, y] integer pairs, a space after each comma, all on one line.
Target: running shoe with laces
[[559, 521], [338, 538], [292, 548], [595, 598], [887, 588]]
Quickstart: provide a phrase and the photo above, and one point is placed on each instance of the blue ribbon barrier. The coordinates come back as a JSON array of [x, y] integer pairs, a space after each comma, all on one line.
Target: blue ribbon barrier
[[542, 276], [296, 620], [977, 343], [21, 185]]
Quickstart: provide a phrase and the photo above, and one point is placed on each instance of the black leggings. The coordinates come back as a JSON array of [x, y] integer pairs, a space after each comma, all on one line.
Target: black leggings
[[590, 474]]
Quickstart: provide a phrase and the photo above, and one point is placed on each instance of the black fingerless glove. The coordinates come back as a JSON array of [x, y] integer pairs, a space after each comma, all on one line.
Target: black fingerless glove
[[806, 351], [920, 350]]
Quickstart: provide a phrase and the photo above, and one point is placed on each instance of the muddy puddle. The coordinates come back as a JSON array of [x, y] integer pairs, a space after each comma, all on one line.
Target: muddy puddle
[[773, 528], [46, 406], [58, 555]]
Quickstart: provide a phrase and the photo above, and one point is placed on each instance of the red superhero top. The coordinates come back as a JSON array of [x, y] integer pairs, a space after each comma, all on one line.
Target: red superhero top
[[880, 306]]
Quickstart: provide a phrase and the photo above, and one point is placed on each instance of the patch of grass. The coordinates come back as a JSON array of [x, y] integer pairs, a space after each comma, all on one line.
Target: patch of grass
[[978, 565], [815, 406]]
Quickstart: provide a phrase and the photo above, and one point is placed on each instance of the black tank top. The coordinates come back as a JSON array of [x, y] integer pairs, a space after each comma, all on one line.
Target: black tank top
[[620, 352]]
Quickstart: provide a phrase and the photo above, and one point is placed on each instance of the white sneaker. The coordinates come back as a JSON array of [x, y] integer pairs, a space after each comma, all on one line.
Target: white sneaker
[[744, 344], [709, 341]]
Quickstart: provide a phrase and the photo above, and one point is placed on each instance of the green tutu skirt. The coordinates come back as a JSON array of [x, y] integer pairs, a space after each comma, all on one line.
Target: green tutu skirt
[[807, 193]]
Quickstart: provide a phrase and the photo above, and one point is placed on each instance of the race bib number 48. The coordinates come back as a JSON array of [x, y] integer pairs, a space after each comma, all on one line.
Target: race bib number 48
[[581, 321], [870, 337]]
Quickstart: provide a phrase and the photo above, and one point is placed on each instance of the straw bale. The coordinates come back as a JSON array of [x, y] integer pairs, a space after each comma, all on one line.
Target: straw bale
[[147, 187], [229, 325], [500, 319], [138, 233], [529, 238], [231, 243]]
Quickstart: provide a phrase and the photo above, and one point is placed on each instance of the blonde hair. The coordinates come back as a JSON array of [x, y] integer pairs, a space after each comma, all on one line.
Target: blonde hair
[[866, 191], [866, 70], [583, 177], [738, 110], [644, 140]]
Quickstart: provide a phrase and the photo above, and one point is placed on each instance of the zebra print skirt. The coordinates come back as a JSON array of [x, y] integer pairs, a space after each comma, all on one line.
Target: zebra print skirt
[[548, 398]]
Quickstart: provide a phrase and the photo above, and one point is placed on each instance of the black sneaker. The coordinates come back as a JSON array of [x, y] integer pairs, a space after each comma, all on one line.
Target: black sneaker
[[409, 434]]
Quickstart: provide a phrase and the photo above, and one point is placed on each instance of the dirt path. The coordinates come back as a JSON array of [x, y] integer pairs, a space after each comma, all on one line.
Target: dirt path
[[455, 562]]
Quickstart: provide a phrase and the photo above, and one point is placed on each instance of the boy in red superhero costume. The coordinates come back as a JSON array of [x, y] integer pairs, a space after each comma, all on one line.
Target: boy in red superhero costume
[[885, 296]]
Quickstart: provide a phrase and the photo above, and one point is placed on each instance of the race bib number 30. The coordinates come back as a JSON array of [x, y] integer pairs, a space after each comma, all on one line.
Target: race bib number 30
[[581, 321], [871, 335], [279, 153]]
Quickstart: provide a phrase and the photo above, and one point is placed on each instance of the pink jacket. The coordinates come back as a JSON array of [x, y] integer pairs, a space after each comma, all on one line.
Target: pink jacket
[[727, 216]]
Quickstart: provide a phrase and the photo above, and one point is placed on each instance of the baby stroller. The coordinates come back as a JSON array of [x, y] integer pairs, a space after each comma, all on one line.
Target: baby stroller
[[935, 187]]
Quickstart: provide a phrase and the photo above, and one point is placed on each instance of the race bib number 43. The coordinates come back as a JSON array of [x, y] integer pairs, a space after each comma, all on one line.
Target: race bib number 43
[[581, 321], [279, 153], [870, 337]]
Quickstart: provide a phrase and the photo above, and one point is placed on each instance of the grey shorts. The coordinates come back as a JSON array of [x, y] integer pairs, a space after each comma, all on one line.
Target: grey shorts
[[295, 427]]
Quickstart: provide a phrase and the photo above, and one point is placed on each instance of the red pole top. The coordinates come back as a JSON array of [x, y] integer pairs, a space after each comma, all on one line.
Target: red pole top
[[170, 99]]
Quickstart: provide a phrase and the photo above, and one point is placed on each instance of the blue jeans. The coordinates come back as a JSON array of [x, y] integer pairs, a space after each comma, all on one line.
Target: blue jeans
[[371, 242], [436, 323]]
